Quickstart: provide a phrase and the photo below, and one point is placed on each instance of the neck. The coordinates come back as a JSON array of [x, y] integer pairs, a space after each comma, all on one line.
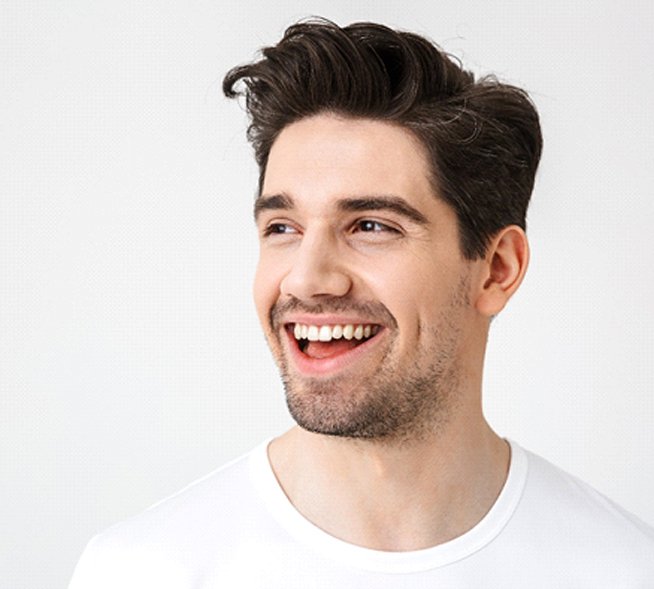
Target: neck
[[404, 496]]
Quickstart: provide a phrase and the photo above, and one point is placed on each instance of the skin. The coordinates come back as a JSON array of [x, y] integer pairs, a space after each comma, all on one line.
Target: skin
[[394, 452]]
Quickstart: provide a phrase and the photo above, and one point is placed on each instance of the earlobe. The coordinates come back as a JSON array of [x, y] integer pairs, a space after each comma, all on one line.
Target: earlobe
[[503, 270]]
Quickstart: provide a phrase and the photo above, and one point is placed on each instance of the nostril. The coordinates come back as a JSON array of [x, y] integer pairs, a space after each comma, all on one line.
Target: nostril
[[316, 278]]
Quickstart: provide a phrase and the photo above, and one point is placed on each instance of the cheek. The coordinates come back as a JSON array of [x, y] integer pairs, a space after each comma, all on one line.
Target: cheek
[[416, 295], [410, 283], [267, 280], [395, 286]]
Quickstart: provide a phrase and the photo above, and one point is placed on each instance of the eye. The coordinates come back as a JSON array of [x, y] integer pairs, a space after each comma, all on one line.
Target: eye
[[371, 226], [278, 229]]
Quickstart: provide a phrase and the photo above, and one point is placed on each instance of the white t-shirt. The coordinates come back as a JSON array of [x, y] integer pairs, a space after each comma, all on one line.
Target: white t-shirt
[[235, 528]]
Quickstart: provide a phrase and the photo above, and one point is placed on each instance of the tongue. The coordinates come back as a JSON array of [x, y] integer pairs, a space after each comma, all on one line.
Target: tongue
[[326, 349]]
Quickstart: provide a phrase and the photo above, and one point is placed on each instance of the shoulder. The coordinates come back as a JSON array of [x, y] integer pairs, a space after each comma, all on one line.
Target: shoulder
[[579, 500], [164, 544], [567, 518], [214, 497]]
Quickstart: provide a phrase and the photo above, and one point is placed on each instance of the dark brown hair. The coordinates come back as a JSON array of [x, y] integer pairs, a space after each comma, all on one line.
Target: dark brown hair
[[483, 137]]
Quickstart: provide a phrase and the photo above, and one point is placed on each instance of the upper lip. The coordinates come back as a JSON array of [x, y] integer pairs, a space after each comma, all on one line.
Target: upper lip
[[327, 319]]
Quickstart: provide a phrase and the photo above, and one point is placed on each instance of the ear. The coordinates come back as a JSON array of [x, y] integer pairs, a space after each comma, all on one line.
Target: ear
[[504, 268]]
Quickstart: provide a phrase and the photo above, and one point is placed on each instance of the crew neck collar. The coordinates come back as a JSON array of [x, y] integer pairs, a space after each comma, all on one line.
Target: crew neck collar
[[359, 557]]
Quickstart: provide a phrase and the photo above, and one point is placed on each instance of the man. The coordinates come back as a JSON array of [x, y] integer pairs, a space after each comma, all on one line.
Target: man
[[391, 217]]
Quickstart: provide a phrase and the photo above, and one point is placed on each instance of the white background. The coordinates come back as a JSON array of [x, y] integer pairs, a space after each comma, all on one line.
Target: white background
[[130, 358]]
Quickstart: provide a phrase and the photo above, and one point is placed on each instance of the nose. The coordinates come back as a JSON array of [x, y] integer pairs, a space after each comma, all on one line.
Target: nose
[[316, 270]]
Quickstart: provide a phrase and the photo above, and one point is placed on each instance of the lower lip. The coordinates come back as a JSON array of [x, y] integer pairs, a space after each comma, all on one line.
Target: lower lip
[[333, 364]]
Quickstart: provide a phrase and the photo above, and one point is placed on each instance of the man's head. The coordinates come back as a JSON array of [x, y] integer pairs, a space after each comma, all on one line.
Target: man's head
[[378, 269], [482, 137]]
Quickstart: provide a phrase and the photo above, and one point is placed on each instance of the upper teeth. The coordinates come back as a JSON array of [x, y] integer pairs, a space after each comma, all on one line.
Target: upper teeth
[[326, 333]]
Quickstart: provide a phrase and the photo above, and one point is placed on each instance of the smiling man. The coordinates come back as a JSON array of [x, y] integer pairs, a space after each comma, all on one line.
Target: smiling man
[[391, 219], [361, 285]]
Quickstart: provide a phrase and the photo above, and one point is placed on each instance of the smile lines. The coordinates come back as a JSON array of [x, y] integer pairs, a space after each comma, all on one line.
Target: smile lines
[[327, 333]]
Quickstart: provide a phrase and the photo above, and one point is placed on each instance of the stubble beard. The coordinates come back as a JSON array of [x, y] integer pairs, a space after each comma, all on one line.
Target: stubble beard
[[388, 407], [394, 403]]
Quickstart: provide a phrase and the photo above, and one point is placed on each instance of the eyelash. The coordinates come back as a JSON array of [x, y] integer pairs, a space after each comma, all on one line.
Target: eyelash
[[384, 227], [272, 229], [358, 226]]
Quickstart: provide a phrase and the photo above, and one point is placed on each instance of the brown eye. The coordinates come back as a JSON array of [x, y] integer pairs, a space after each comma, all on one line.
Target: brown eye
[[278, 229], [370, 226]]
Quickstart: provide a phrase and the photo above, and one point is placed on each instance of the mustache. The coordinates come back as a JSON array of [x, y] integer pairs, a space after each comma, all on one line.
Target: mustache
[[368, 309]]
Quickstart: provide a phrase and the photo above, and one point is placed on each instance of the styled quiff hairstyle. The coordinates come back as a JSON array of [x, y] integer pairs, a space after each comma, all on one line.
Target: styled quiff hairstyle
[[482, 137]]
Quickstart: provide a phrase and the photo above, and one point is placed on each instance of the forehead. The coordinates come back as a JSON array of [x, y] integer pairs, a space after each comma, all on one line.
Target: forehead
[[325, 157]]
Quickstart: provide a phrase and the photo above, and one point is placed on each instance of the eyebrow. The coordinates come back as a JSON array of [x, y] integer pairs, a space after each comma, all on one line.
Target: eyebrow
[[272, 203], [369, 203], [379, 203]]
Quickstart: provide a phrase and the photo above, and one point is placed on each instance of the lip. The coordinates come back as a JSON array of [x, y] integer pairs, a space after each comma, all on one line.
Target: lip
[[332, 319], [325, 367]]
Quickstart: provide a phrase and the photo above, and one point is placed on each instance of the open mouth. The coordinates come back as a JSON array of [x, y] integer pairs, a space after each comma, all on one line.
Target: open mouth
[[326, 341]]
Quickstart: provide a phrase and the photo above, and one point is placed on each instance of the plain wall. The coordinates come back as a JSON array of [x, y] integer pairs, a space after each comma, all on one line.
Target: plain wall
[[130, 358]]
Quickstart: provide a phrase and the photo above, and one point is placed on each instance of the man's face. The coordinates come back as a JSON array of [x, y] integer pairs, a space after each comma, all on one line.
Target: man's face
[[361, 287]]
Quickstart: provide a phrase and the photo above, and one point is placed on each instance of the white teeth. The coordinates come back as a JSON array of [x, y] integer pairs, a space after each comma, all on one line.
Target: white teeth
[[327, 333]]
